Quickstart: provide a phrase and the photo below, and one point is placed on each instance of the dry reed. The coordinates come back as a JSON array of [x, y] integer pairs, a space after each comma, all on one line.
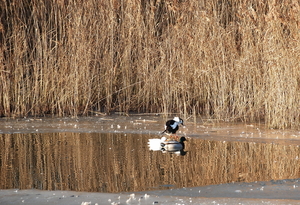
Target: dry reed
[[228, 60]]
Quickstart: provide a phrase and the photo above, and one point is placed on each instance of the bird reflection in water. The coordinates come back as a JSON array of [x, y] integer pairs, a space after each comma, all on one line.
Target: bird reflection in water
[[167, 145]]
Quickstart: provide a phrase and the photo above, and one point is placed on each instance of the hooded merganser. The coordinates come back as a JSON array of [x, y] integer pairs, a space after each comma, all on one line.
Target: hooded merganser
[[172, 125]]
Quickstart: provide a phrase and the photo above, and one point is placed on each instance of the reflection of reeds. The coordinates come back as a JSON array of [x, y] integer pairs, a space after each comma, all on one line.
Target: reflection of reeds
[[115, 163], [225, 59]]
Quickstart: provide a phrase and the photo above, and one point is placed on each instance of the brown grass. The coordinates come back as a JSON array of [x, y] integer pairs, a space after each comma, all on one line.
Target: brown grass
[[228, 60]]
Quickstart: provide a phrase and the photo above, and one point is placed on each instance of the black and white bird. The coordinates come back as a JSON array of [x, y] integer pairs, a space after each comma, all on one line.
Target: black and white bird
[[172, 126]]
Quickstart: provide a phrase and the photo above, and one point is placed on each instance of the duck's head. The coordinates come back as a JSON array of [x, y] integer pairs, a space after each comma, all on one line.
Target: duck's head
[[179, 120], [182, 139]]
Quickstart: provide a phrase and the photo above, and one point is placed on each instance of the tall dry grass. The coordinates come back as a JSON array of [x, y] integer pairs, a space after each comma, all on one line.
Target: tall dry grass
[[228, 60]]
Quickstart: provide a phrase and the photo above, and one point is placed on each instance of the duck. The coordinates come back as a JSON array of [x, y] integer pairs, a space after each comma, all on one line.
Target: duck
[[172, 126], [167, 145], [173, 145]]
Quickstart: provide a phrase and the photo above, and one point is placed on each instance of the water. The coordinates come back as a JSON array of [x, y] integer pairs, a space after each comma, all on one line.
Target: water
[[122, 162]]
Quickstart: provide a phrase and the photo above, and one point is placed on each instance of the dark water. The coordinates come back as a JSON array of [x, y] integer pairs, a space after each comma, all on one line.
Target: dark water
[[99, 162]]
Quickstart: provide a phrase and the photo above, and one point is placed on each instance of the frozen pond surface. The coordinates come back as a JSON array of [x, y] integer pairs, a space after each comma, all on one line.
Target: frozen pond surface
[[224, 163], [148, 124]]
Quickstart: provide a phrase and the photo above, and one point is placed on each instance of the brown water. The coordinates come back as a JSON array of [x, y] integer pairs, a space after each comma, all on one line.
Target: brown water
[[122, 162]]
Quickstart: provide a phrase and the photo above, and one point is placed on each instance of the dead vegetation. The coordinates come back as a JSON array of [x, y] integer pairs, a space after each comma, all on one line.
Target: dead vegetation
[[228, 60]]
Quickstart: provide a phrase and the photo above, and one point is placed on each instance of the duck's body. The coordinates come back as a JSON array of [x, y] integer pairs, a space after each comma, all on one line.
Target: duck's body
[[173, 145], [167, 145], [172, 126]]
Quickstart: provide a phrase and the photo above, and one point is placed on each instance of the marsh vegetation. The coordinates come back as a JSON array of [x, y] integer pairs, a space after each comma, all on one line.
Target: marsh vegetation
[[227, 60]]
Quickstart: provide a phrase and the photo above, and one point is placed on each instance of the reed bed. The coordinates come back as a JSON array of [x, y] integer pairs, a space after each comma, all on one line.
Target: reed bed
[[227, 60]]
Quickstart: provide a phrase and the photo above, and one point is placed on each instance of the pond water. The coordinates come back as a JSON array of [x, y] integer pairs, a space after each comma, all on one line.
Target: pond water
[[122, 162], [111, 154]]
